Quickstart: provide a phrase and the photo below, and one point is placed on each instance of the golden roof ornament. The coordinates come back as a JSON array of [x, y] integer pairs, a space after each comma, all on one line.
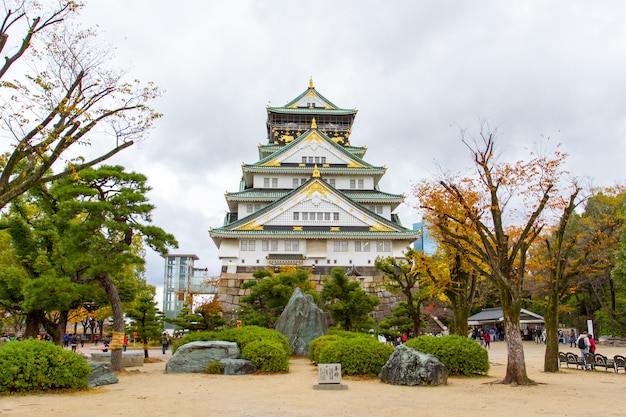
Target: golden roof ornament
[[311, 82], [316, 172], [313, 124]]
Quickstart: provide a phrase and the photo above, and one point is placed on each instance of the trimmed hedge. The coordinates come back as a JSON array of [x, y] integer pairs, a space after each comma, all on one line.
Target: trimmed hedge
[[461, 355], [36, 365], [240, 335], [357, 355], [267, 356]]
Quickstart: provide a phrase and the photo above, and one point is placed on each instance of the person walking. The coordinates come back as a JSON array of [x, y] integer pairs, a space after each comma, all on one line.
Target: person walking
[[165, 340], [487, 339], [583, 345], [572, 337]]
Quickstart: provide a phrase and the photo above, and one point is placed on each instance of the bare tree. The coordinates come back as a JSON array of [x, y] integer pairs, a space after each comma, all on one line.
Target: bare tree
[[492, 218], [57, 92]]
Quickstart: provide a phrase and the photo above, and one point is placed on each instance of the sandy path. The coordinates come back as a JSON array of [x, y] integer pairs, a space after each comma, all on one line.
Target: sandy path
[[148, 391]]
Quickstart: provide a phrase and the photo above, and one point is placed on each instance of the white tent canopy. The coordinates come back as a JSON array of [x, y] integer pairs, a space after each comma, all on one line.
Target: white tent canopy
[[494, 315]]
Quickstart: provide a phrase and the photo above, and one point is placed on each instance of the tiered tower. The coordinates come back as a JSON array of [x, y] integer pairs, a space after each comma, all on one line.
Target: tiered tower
[[310, 201]]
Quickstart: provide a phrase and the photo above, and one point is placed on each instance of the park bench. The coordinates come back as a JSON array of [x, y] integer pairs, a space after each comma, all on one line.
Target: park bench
[[602, 361], [620, 362], [590, 360], [563, 359], [573, 359]]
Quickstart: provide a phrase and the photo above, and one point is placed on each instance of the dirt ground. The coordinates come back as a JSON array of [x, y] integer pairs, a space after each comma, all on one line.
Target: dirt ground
[[149, 391]]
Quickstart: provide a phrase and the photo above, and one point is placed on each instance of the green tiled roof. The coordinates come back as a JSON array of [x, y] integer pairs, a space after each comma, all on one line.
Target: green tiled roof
[[334, 109], [228, 229], [313, 234]]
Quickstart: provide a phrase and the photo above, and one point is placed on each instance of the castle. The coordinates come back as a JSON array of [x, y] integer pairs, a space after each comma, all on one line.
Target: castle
[[310, 201]]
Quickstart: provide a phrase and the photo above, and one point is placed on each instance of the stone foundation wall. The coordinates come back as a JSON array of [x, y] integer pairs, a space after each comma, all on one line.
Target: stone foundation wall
[[230, 291]]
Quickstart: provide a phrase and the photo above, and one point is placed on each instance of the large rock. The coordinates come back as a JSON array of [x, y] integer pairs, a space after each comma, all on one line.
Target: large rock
[[407, 366], [237, 367], [193, 357], [101, 374], [301, 321], [128, 358]]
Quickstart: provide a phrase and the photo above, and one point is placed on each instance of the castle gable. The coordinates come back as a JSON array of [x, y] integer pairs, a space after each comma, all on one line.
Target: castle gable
[[313, 147]]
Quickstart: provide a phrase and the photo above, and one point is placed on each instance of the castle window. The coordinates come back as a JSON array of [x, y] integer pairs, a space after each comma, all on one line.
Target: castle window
[[383, 246], [291, 245], [335, 216], [361, 184], [295, 183], [362, 246], [247, 245], [269, 245], [340, 246], [296, 215], [352, 183]]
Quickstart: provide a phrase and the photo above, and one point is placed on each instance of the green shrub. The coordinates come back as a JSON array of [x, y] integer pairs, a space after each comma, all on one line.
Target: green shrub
[[316, 345], [267, 356], [357, 355], [461, 355], [215, 367], [245, 336], [35, 365]]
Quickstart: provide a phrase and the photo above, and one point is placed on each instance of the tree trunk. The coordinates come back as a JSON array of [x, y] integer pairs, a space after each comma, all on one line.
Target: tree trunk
[[414, 311], [118, 320], [551, 358], [516, 363], [33, 323], [460, 326]]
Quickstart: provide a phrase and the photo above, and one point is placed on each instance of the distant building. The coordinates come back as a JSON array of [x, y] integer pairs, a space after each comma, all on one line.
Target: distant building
[[183, 282], [425, 243]]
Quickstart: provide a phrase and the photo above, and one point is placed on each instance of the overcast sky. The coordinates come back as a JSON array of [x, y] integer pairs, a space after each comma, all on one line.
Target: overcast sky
[[417, 71]]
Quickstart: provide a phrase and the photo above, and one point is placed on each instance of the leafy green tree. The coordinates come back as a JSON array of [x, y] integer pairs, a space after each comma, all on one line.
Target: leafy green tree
[[207, 316], [348, 304], [413, 277], [61, 90], [269, 294], [146, 318], [399, 320], [104, 209]]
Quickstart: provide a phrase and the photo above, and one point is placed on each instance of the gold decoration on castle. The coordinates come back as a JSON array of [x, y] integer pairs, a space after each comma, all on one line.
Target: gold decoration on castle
[[316, 172], [335, 229], [272, 163], [378, 227], [354, 164], [253, 225], [316, 187], [314, 137], [297, 228], [311, 82], [313, 123]]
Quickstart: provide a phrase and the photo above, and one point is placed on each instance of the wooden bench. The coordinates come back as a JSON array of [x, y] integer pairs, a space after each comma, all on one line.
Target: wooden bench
[[573, 359], [602, 361], [620, 362]]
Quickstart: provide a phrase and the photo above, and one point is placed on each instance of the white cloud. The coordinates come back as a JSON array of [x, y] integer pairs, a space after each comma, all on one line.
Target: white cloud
[[416, 71]]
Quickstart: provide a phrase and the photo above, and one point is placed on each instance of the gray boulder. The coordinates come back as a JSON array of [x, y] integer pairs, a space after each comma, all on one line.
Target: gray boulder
[[101, 374], [237, 367], [193, 357], [407, 366], [301, 321]]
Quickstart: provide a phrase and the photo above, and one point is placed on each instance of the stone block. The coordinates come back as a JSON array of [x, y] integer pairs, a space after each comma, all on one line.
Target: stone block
[[129, 359]]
